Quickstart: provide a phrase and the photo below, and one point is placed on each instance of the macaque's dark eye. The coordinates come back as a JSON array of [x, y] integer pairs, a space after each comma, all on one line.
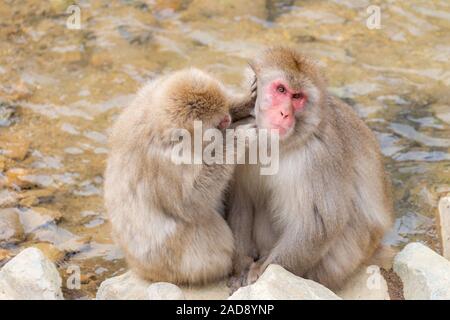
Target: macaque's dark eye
[[297, 96], [281, 88]]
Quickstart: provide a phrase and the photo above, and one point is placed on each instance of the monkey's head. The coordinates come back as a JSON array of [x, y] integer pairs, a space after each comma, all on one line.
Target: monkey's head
[[194, 95], [289, 91]]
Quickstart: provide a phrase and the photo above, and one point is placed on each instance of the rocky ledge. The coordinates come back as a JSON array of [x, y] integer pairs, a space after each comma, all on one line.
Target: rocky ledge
[[424, 274]]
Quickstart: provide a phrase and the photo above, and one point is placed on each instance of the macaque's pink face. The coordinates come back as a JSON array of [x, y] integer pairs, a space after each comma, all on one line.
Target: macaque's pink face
[[279, 106]]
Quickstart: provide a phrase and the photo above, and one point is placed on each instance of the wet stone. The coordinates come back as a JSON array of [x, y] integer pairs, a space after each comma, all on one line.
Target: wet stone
[[17, 178], [8, 114], [11, 229], [8, 198], [4, 254], [14, 148], [50, 251], [37, 217]]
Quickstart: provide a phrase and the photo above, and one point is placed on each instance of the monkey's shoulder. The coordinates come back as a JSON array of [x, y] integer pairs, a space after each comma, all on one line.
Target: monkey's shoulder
[[348, 123]]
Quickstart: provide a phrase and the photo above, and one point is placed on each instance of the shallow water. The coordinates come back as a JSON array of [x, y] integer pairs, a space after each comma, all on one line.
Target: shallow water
[[61, 89]]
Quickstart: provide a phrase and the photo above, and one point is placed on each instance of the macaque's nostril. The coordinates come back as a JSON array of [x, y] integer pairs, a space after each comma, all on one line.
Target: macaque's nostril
[[284, 115]]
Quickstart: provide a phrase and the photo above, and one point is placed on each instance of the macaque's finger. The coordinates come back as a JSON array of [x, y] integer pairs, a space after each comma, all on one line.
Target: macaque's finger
[[237, 281], [255, 272], [253, 88]]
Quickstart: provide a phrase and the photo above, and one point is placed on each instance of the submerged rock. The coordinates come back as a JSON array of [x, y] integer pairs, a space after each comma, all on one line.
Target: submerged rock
[[424, 273], [366, 284], [129, 286], [14, 148], [30, 276], [276, 283], [8, 198], [18, 178], [35, 197], [50, 251], [444, 225], [37, 217], [7, 114], [10, 227]]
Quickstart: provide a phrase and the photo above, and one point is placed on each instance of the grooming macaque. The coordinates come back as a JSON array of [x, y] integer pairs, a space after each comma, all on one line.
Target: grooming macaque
[[325, 212], [165, 216]]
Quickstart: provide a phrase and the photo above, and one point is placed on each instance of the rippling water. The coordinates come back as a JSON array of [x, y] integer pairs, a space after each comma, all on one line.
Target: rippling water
[[61, 89]]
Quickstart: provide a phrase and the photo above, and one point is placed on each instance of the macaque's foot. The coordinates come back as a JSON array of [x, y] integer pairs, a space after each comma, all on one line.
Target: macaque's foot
[[237, 281], [241, 266], [256, 270]]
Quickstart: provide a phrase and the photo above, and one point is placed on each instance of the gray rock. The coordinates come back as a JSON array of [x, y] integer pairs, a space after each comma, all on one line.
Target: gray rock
[[424, 273], [30, 276], [164, 291], [444, 225], [366, 284], [11, 229], [7, 114], [276, 283]]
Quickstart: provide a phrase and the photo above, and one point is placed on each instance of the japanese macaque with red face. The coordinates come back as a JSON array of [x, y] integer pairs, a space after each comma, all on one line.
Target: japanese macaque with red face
[[324, 213]]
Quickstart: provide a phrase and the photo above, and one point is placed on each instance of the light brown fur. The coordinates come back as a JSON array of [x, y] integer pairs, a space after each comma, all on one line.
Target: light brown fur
[[166, 216], [325, 212]]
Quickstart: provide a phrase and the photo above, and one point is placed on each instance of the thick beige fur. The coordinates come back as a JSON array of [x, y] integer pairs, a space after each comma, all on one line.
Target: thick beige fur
[[166, 216], [325, 212]]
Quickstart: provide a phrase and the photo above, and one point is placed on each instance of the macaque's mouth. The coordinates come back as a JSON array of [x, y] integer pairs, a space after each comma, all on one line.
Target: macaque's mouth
[[281, 130]]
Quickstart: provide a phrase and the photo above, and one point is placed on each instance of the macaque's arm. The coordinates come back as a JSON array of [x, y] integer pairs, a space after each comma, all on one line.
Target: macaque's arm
[[242, 106]]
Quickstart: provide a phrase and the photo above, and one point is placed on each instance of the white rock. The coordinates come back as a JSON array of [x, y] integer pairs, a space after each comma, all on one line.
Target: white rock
[[129, 286], [164, 291], [424, 273], [366, 284], [444, 225], [30, 276], [276, 283]]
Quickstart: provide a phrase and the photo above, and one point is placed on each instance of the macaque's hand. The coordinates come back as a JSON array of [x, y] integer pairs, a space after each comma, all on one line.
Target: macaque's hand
[[253, 90]]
